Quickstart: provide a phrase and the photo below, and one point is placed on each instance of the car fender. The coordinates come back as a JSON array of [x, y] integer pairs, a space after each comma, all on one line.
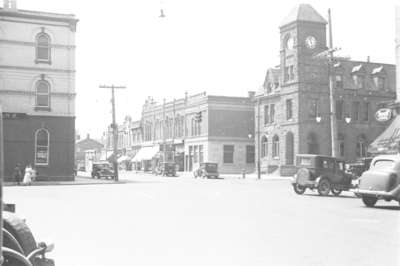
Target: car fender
[[317, 180], [293, 179]]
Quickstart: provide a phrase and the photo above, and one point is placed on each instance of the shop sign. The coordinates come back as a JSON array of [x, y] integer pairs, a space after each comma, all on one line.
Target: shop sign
[[383, 115], [7, 115]]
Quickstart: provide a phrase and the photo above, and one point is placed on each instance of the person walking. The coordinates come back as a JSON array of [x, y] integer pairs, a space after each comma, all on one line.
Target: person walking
[[17, 174], [28, 175]]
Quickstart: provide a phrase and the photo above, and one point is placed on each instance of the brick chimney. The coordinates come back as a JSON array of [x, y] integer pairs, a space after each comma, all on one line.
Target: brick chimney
[[10, 5]]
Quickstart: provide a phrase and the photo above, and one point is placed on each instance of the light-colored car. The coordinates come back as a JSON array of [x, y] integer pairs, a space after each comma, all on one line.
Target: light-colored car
[[381, 181]]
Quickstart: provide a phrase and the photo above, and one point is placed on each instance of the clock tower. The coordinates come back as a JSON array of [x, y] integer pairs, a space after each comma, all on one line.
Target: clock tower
[[303, 35]]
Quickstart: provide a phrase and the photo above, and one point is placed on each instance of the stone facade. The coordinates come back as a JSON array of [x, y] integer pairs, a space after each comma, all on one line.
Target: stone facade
[[37, 90], [292, 110]]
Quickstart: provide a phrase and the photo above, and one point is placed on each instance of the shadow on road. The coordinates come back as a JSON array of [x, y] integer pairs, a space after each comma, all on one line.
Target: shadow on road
[[391, 208], [332, 196]]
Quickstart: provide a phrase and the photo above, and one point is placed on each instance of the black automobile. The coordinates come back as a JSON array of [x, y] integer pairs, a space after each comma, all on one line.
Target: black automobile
[[207, 170], [166, 169], [324, 173], [102, 169], [360, 166]]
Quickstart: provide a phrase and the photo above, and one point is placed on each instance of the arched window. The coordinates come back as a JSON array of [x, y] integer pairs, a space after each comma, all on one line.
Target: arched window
[[312, 143], [43, 47], [42, 142], [42, 93], [264, 147], [275, 147], [289, 148]]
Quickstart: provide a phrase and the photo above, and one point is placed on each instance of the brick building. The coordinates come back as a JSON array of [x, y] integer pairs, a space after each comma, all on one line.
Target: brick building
[[224, 135], [37, 90], [83, 145], [292, 108]]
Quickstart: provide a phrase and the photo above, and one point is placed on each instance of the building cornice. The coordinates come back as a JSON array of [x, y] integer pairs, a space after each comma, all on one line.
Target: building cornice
[[37, 69], [29, 93], [32, 44]]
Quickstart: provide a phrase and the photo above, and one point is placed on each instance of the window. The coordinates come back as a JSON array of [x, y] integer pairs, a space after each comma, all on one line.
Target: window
[[379, 82], [288, 74], [272, 113], [360, 149], [341, 148], [313, 112], [291, 73], [289, 111], [339, 81], [42, 147], [269, 87], [43, 49], [264, 147], [366, 111], [250, 153], [42, 94], [228, 153], [275, 147], [195, 153], [339, 109], [359, 81], [266, 114], [355, 111], [201, 155]]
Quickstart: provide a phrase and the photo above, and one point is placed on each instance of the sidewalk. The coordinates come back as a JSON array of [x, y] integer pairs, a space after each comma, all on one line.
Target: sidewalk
[[79, 180]]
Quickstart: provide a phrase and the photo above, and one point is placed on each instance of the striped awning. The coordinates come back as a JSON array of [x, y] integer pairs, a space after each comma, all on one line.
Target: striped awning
[[389, 140]]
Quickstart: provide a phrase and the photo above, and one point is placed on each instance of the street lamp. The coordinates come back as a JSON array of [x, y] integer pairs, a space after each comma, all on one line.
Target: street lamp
[[347, 119]]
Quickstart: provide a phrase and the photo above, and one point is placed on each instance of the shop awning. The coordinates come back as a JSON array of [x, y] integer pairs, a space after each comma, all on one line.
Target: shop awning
[[123, 158], [388, 141], [145, 153], [103, 156]]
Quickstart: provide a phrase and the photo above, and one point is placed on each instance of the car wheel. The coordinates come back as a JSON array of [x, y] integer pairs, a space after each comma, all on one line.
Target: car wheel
[[20, 231], [324, 187], [336, 192], [369, 201], [299, 189]]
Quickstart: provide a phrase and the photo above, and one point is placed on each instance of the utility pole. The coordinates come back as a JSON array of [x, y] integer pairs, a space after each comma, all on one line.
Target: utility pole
[[1, 182], [164, 135], [331, 90], [114, 126], [258, 141]]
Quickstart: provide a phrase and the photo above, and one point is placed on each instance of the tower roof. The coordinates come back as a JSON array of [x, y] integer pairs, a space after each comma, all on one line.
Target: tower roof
[[303, 12]]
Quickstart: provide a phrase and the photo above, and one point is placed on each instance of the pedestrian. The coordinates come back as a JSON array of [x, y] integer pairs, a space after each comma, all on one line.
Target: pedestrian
[[28, 175], [17, 174], [34, 174]]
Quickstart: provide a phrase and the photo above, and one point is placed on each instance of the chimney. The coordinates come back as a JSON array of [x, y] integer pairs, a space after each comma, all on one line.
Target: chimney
[[251, 94], [10, 5], [88, 136], [367, 59]]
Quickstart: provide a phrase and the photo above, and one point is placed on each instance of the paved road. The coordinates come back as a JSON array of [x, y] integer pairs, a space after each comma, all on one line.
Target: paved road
[[185, 221]]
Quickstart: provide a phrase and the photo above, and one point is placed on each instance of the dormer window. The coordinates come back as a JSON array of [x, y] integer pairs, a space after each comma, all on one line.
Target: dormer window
[[359, 81], [379, 78]]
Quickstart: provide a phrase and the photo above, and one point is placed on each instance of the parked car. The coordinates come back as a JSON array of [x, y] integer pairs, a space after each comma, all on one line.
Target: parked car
[[166, 169], [324, 173], [381, 181], [102, 169], [360, 166], [206, 170]]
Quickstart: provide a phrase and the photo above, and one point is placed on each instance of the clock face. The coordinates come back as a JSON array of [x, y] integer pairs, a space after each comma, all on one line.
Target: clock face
[[289, 43], [311, 42]]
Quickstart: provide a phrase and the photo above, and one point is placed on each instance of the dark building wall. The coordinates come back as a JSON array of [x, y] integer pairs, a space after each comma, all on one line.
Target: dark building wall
[[19, 145], [230, 123]]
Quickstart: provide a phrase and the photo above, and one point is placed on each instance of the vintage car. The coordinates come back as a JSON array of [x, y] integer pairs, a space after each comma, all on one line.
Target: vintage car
[[206, 170], [324, 173], [166, 169], [102, 169], [381, 181], [360, 166]]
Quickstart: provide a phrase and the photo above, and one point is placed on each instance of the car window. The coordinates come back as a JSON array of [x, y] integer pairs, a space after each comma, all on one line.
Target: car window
[[341, 166], [384, 164], [305, 161], [328, 164]]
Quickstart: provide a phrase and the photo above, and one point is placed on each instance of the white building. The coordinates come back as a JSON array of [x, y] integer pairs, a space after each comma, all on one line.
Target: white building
[[37, 90]]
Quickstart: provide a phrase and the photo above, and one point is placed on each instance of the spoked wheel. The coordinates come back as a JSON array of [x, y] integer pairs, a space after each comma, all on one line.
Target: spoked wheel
[[369, 201], [299, 189], [324, 187], [336, 191]]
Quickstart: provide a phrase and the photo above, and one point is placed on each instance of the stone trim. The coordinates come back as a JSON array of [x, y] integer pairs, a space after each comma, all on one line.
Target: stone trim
[[33, 44], [37, 69]]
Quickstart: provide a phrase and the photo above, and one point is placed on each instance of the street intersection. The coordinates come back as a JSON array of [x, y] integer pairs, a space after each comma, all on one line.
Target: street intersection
[[149, 220]]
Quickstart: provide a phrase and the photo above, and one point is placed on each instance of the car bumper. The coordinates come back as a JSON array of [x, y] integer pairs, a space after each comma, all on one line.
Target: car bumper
[[393, 194]]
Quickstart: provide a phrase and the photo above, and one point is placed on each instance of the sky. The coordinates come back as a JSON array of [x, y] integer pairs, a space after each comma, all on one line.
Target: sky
[[223, 47]]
